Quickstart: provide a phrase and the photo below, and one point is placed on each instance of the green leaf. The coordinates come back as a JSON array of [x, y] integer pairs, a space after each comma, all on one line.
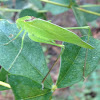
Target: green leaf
[[3, 77], [3, 74], [27, 89], [36, 3], [73, 62], [91, 17], [1, 16], [3, 0], [19, 3], [30, 63], [56, 9], [45, 32], [30, 12], [81, 21]]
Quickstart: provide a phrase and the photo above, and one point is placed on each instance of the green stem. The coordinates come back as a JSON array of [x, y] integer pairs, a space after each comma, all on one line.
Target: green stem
[[90, 5], [55, 3], [10, 10], [19, 10], [4, 84], [90, 12], [42, 11]]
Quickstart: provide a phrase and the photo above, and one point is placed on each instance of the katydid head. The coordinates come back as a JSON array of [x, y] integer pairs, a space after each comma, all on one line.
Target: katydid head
[[21, 21]]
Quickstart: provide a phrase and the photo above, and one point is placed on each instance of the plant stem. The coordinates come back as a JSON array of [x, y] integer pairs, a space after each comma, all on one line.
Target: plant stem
[[5, 84], [42, 11], [53, 65], [10, 10], [19, 10], [55, 3], [90, 5], [90, 12]]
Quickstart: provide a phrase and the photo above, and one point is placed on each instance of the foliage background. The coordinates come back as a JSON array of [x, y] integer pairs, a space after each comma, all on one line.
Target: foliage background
[[90, 89]]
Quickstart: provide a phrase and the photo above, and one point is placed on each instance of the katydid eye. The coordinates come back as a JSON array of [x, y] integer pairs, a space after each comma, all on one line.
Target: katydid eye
[[32, 18]]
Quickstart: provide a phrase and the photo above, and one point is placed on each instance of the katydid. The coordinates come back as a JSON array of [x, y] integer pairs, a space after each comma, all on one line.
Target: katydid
[[45, 32]]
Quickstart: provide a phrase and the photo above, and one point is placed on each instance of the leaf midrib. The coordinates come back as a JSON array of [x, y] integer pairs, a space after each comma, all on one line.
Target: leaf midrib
[[37, 95], [69, 67]]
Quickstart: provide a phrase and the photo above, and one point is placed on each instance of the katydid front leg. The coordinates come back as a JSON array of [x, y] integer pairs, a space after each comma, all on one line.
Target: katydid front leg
[[18, 52], [13, 38]]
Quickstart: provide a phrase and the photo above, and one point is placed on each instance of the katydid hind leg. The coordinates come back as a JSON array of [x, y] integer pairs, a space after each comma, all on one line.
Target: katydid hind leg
[[18, 52], [63, 48], [14, 38], [44, 40], [86, 54]]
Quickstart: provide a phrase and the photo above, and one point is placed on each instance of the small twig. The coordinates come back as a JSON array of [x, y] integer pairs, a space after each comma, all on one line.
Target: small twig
[[9, 10], [92, 5], [88, 11], [55, 3]]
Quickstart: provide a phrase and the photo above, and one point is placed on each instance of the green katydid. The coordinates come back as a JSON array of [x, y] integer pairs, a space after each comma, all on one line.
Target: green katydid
[[45, 32]]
